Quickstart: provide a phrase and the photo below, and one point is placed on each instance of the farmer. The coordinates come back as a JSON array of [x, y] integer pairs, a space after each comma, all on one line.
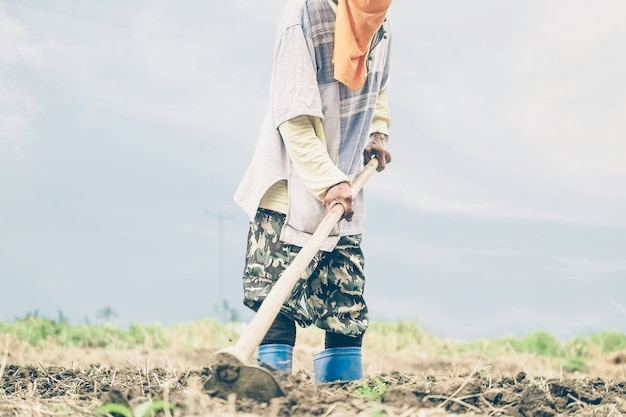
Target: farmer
[[327, 116]]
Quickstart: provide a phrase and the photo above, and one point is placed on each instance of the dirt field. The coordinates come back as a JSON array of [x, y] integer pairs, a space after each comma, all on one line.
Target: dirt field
[[66, 383]]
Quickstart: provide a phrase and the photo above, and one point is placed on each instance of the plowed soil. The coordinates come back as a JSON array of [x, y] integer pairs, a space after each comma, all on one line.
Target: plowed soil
[[418, 386]]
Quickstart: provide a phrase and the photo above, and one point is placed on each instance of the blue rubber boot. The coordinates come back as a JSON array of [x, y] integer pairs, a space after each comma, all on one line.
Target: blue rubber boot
[[339, 364], [276, 357]]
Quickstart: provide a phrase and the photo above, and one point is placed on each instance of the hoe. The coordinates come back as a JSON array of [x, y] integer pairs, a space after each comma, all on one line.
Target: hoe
[[231, 371]]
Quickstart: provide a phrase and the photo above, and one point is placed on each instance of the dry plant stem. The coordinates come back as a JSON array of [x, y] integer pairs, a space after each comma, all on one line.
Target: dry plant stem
[[330, 410], [148, 367], [520, 362], [576, 401], [455, 400], [361, 405], [480, 359], [172, 369], [409, 412], [232, 403], [5, 356], [166, 398], [43, 369], [494, 410]]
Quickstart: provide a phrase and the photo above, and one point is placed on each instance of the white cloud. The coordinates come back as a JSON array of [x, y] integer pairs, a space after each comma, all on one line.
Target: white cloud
[[16, 105], [15, 46], [499, 110], [588, 269], [564, 326], [168, 63], [11, 127], [621, 308], [525, 121]]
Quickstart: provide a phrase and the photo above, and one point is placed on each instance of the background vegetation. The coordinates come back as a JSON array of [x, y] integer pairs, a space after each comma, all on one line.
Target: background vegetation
[[389, 337]]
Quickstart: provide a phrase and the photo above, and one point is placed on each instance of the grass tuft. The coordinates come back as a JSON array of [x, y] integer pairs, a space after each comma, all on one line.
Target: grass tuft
[[371, 389]]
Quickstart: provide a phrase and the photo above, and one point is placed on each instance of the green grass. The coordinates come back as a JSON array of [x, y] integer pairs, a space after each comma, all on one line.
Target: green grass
[[42, 333], [573, 354]]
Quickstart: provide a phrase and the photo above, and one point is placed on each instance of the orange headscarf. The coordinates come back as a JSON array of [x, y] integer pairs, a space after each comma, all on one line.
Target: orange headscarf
[[356, 23]]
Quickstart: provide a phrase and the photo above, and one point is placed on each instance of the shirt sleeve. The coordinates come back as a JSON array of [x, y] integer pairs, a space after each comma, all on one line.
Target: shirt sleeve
[[307, 150], [381, 120], [294, 89]]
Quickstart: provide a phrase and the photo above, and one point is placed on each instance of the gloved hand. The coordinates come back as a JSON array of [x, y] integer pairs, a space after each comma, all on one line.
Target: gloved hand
[[340, 194]]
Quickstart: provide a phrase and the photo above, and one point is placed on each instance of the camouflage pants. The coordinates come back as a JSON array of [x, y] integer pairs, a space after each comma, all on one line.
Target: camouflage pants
[[329, 293]]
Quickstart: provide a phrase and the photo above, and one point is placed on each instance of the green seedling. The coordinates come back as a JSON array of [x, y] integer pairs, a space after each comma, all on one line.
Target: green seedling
[[115, 409], [371, 390], [145, 409]]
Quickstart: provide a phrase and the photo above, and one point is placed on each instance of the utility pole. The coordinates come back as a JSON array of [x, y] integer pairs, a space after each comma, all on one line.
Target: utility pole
[[221, 307]]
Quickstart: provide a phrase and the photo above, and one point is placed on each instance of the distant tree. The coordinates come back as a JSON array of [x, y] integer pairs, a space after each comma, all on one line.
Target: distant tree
[[106, 313], [63, 319], [32, 315], [230, 313]]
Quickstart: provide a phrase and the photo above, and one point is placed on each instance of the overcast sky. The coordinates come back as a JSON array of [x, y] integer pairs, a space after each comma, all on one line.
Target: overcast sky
[[125, 127]]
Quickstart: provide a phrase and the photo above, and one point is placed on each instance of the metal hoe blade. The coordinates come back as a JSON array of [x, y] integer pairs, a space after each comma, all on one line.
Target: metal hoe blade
[[229, 375]]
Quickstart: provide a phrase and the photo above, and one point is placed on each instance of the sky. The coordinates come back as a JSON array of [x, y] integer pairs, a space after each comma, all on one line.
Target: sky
[[125, 127]]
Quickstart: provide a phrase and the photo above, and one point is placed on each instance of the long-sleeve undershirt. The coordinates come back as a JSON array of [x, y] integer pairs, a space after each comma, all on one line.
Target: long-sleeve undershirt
[[306, 146]]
